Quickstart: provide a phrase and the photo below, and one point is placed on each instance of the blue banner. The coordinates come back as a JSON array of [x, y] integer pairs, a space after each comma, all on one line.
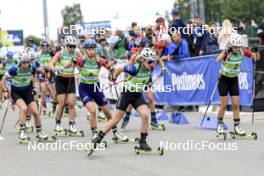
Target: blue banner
[[192, 81], [12, 37]]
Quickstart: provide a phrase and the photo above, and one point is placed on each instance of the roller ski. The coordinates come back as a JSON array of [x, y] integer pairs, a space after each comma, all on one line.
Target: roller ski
[[155, 125], [145, 149], [122, 139], [23, 138], [43, 137], [59, 130], [72, 131], [220, 132], [239, 133]]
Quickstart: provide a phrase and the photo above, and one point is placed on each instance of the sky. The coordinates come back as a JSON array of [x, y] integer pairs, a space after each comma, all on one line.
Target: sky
[[28, 14]]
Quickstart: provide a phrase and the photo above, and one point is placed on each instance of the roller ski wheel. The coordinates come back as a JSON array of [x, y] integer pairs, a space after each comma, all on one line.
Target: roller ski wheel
[[128, 141], [75, 134], [158, 151], [222, 134], [160, 127], [24, 140], [247, 136], [47, 139], [60, 133]]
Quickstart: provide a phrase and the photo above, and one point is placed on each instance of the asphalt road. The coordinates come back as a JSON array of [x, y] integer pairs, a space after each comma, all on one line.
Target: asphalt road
[[240, 157]]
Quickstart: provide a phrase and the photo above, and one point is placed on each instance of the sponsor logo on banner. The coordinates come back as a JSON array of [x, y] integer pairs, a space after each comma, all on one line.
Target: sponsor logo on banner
[[243, 81], [185, 82]]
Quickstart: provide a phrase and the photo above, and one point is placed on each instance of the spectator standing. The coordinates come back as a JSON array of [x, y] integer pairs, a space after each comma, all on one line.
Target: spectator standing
[[177, 23]]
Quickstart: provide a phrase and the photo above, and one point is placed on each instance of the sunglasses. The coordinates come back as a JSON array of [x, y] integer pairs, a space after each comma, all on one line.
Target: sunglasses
[[150, 62], [71, 46], [25, 62]]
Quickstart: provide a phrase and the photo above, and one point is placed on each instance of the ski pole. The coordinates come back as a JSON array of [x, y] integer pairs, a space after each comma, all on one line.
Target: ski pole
[[210, 101]]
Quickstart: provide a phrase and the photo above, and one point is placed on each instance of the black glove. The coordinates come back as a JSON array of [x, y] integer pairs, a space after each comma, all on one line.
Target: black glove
[[74, 60], [111, 78], [254, 49], [112, 69]]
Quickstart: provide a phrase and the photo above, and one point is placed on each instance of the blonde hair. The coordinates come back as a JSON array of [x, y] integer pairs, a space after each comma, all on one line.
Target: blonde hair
[[227, 27]]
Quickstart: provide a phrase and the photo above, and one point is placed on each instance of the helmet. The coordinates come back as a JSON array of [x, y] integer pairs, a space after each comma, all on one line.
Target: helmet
[[26, 55], [70, 40], [9, 55], [235, 40], [44, 44], [144, 42], [90, 43], [147, 54]]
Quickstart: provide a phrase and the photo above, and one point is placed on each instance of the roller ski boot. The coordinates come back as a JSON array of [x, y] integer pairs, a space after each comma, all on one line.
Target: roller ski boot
[[29, 127], [155, 125], [239, 133], [220, 131], [94, 136], [23, 138], [101, 117], [145, 149], [59, 130], [72, 131], [119, 138], [43, 137], [96, 144]]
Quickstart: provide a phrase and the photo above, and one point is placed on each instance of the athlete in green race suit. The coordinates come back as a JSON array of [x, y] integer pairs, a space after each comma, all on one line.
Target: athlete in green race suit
[[228, 81], [132, 94]]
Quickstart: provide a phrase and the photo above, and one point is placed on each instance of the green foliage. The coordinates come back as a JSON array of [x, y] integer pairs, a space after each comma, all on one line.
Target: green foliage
[[72, 15], [184, 8], [237, 10], [35, 40]]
